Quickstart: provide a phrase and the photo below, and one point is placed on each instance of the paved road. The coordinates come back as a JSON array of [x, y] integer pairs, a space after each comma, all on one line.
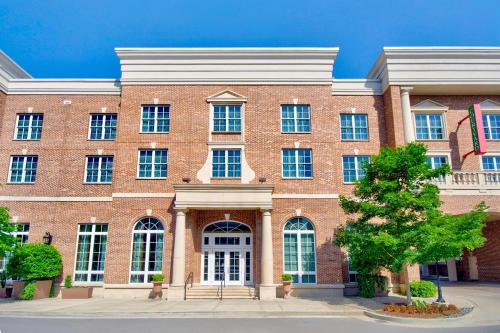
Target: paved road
[[189, 325]]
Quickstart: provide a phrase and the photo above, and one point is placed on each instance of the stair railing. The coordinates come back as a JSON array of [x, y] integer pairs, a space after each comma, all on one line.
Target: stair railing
[[190, 277]]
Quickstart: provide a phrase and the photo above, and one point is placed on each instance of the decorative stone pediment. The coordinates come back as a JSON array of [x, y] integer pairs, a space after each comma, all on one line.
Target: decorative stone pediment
[[488, 104], [429, 105], [227, 96]]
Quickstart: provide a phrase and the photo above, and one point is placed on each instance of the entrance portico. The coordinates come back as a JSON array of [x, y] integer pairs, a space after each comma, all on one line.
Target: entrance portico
[[228, 253]]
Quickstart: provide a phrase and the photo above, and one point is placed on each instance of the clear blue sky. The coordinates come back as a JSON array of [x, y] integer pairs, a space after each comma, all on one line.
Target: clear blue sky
[[72, 38]]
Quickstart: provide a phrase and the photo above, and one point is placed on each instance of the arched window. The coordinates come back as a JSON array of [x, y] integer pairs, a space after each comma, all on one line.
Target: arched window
[[227, 227], [147, 250], [299, 250]]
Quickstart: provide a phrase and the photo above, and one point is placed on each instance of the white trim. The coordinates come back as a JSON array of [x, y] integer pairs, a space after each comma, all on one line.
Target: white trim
[[53, 199], [305, 196], [356, 87], [142, 195], [64, 87]]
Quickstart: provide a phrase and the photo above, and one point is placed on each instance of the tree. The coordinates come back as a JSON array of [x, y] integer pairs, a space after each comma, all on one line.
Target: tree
[[397, 215], [7, 241]]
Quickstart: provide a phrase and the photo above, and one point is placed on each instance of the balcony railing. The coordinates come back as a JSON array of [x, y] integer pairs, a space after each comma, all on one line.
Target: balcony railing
[[469, 180]]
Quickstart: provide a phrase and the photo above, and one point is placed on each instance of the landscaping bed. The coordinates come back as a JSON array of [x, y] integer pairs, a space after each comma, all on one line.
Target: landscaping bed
[[424, 310]]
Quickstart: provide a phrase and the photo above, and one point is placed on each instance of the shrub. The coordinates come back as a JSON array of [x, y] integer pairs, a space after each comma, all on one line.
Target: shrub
[[286, 277], [3, 279], [367, 284], [423, 289], [67, 281], [158, 278], [35, 261], [28, 291]]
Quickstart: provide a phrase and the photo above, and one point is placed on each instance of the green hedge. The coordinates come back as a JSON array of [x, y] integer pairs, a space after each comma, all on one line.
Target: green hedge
[[423, 289], [28, 291], [367, 284], [34, 261]]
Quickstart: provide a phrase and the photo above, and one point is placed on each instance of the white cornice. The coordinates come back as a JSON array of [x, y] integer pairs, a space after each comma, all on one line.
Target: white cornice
[[226, 65], [64, 86], [440, 70], [356, 87]]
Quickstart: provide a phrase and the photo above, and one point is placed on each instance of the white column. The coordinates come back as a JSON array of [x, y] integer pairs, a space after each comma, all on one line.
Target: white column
[[452, 269], [176, 288], [409, 131], [267, 288]]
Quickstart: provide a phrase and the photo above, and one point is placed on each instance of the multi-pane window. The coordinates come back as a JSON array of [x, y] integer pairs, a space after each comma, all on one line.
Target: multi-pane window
[[155, 118], [102, 126], [29, 126], [429, 126], [147, 250], [23, 169], [299, 250], [22, 233], [491, 163], [295, 118], [297, 163], [437, 161], [99, 169], [353, 167], [491, 124], [354, 126], [227, 118], [153, 163], [226, 163], [353, 274], [91, 252]]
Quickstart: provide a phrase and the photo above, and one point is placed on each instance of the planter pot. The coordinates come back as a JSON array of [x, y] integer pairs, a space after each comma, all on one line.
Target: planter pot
[[157, 289], [8, 292], [287, 288], [42, 289], [17, 289], [76, 292]]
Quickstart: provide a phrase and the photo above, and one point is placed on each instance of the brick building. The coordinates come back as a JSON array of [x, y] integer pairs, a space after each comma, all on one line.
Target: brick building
[[225, 165]]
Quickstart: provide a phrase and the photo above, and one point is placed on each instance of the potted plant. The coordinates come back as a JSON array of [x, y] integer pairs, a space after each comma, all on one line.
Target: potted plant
[[287, 284], [157, 284], [71, 292], [3, 283], [35, 262]]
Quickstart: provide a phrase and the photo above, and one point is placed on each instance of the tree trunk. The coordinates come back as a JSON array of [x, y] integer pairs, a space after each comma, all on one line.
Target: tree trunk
[[407, 285], [440, 298]]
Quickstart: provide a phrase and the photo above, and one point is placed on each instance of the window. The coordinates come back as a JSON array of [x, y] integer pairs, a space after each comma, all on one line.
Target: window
[[353, 167], [491, 126], [354, 127], [295, 118], [99, 169], [29, 126], [23, 169], [91, 252], [102, 127], [491, 163], [227, 118], [155, 118], [429, 126], [226, 163], [22, 233], [297, 163], [299, 250], [153, 163], [353, 274], [437, 161], [147, 250]]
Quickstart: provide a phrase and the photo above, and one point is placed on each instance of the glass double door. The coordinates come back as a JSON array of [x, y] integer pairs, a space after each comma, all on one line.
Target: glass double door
[[228, 267]]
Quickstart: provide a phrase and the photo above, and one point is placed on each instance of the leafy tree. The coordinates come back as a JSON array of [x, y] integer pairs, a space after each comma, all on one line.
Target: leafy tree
[[397, 218], [35, 261], [7, 241]]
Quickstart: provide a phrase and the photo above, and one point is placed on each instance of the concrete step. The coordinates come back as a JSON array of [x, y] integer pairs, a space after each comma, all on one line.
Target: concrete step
[[208, 292]]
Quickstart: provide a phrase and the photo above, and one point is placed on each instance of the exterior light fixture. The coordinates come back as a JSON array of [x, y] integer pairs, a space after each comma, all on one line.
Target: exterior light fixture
[[47, 238], [186, 180], [262, 180]]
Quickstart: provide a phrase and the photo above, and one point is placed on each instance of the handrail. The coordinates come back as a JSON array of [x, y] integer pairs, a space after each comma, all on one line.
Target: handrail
[[190, 277], [222, 282]]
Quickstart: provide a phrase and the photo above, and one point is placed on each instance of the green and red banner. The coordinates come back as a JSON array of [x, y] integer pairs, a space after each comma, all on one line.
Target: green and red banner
[[477, 130]]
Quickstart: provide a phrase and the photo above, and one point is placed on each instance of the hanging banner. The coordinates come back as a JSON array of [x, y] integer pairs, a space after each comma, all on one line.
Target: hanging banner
[[477, 129]]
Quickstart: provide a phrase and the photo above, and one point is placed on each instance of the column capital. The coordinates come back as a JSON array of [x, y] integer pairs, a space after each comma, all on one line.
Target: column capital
[[266, 211], [406, 90], [180, 211]]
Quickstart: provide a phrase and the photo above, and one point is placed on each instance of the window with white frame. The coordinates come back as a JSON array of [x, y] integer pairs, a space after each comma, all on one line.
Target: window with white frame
[[435, 161], [354, 127], [490, 163], [147, 250], [429, 126], [297, 163], [491, 124], [353, 167], [23, 168], [29, 126], [353, 274], [99, 169], [295, 118], [155, 118], [226, 163], [299, 250], [21, 232], [102, 126], [153, 163], [227, 118], [91, 252]]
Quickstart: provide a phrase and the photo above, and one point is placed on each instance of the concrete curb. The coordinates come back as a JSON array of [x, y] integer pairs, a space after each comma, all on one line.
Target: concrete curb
[[408, 320]]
